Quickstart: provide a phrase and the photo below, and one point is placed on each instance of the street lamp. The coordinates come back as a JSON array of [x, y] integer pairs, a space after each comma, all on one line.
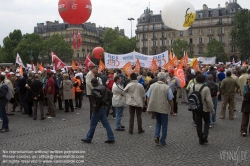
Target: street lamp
[[131, 19]]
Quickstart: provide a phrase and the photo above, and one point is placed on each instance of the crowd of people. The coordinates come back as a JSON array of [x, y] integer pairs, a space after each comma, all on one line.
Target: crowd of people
[[155, 93]]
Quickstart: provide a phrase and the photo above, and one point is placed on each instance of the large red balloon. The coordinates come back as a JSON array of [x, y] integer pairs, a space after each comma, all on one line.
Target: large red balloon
[[75, 11], [98, 53]]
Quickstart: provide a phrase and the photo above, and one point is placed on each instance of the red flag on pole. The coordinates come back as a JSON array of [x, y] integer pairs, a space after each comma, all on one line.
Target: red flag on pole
[[88, 62], [58, 63], [179, 73], [79, 39]]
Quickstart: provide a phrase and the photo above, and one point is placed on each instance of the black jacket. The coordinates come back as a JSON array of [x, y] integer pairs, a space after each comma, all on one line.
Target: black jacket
[[100, 97]]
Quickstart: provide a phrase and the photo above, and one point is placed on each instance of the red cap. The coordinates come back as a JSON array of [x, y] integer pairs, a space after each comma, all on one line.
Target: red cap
[[48, 71], [110, 76], [8, 75], [171, 71]]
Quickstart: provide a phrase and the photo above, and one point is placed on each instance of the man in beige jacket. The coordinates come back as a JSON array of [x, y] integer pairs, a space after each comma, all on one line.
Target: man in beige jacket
[[160, 102], [242, 79], [90, 75], [135, 99]]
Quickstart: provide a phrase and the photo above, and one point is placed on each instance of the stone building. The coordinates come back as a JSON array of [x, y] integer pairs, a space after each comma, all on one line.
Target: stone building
[[154, 37], [92, 36]]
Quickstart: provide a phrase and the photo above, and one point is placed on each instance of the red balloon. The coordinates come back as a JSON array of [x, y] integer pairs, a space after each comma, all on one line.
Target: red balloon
[[98, 53], [75, 11]]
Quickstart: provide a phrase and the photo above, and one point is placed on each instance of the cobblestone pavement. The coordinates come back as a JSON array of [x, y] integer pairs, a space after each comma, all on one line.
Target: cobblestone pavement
[[138, 149]]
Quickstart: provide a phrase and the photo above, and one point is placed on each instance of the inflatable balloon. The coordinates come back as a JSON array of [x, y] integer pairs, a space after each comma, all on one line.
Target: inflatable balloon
[[75, 11], [98, 53], [178, 14]]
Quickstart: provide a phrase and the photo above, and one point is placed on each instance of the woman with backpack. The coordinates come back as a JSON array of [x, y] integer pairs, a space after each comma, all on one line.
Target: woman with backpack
[[245, 109]]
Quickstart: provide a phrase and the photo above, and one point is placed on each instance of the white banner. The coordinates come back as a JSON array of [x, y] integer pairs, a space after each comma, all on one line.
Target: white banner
[[118, 61], [207, 61], [228, 63]]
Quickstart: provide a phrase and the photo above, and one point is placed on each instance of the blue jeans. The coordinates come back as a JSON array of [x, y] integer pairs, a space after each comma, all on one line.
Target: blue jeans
[[213, 117], [25, 106], [119, 113], [161, 125], [100, 115], [4, 117]]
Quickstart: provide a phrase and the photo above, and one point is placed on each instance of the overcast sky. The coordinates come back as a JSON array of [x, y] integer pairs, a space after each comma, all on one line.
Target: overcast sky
[[25, 14]]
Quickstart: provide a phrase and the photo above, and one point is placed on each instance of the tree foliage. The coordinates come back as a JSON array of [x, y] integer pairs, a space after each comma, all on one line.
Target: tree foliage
[[215, 48], [59, 46], [240, 33], [33, 47], [116, 44], [29, 48], [9, 44], [179, 46]]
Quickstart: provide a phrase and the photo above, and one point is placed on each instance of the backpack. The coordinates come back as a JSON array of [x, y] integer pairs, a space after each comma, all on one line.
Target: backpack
[[142, 81], [213, 89], [82, 86], [195, 101], [9, 93]]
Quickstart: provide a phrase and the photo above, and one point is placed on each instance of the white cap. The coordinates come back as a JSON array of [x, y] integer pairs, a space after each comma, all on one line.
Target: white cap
[[30, 69], [39, 72], [12, 73], [3, 74], [33, 72], [6, 71], [17, 70], [53, 71], [215, 67], [18, 75]]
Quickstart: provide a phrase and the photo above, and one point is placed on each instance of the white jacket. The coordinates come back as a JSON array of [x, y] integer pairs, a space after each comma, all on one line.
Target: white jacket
[[135, 94], [119, 98]]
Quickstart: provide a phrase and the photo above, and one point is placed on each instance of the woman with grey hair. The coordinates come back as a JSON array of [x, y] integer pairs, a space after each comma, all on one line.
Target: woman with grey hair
[[214, 89], [66, 92]]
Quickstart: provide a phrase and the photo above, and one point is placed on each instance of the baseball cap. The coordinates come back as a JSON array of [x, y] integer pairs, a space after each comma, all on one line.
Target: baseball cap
[[12, 73], [3, 74], [18, 75], [171, 71]]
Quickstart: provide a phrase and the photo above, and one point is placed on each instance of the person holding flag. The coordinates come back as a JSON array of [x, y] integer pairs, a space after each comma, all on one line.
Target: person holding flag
[[174, 84]]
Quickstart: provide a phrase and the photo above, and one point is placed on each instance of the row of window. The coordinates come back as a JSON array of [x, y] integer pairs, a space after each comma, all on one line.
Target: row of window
[[215, 14], [191, 32], [200, 40]]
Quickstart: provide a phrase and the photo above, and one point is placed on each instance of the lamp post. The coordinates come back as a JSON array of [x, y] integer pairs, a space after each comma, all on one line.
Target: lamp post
[[131, 19]]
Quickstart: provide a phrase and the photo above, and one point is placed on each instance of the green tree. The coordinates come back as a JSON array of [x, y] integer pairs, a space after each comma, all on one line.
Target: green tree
[[115, 44], [29, 48], [240, 33], [9, 44], [215, 48], [179, 46], [59, 46]]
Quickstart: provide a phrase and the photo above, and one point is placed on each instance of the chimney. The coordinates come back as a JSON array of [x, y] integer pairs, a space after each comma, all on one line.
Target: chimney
[[218, 5], [205, 7], [226, 4], [160, 11], [151, 12]]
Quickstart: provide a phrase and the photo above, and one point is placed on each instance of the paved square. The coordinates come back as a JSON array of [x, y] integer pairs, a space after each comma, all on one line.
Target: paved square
[[63, 133]]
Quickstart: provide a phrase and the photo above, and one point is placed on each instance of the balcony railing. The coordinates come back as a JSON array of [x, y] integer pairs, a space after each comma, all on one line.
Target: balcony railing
[[193, 26]]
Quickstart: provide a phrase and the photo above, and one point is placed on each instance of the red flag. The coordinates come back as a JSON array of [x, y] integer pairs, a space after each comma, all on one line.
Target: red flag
[[179, 73], [169, 66], [74, 41], [58, 63], [137, 66], [88, 62], [79, 39]]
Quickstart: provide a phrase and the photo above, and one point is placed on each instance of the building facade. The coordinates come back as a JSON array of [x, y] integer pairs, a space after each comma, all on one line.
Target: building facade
[[153, 37], [91, 35]]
